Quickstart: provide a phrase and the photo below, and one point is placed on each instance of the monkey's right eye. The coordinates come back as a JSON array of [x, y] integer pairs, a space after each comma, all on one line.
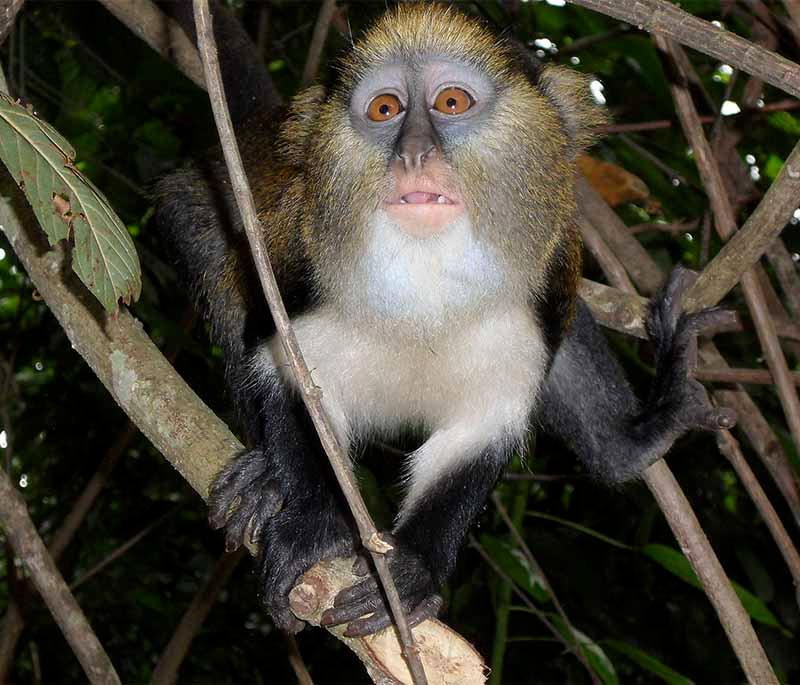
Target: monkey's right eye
[[384, 107]]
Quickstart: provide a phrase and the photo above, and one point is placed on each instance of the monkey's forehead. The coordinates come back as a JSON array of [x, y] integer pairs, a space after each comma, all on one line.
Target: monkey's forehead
[[410, 30]]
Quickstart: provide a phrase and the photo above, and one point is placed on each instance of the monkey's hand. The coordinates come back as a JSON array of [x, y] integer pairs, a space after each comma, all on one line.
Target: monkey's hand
[[674, 393], [415, 585], [292, 526]]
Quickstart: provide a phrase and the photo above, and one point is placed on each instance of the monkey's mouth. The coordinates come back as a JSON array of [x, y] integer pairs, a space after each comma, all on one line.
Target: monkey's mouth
[[419, 197]]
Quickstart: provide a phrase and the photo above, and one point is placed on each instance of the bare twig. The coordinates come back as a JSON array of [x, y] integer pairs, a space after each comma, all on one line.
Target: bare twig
[[698, 551], [526, 551], [8, 13], [726, 226], [309, 391], [296, 661], [711, 374], [51, 586], [161, 33], [610, 265], [166, 670], [644, 273], [747, 245], [729, 446], [663, 18], [121, 550], [759, 433], [318, 39], [573, 647]]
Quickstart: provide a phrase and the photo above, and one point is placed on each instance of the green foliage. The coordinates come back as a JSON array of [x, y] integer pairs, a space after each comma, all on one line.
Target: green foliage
[[68, 206]]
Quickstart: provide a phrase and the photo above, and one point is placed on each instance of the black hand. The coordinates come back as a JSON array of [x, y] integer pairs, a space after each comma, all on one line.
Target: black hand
[[418, 595]]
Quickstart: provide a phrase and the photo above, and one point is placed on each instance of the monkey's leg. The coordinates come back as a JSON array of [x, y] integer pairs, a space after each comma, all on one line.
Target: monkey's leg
[[431, 527], [282, 497], [587, 403]]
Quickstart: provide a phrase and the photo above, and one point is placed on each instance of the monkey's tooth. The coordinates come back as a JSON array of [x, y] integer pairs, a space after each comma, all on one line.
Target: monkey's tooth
[[441, 200], [403, 201]]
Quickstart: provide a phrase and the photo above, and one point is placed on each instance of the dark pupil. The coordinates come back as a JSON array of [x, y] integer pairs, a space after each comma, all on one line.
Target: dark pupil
[[385, 110], [451, 103]]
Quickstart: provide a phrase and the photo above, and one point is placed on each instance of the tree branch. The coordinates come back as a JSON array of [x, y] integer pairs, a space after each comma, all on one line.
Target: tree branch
[[30, 549], [664, 18], [311, 394]]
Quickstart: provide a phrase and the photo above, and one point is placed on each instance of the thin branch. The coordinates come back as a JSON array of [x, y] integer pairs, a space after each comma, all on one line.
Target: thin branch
[[121, 550], [573, 647], [663, 18], [169, 663], [30, 549], [297, 663], [729, 446], [8, 15], [747, 245], [311, 394], [526, 551], [318, 39], [643, 271], [725, 224], [711, 374], [759, 432], [161, 33], [607, 260], [717, 586]]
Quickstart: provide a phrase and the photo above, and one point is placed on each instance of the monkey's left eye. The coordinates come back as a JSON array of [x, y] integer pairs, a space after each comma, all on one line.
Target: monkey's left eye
[[453, 100], [384, 107]]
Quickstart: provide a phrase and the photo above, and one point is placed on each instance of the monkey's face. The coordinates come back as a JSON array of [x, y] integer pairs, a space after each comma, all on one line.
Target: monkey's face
[[446, 159], [414, 114]]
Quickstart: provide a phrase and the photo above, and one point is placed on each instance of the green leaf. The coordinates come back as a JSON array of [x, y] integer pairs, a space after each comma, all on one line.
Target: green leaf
[[773, 167], [513, 562], [68, 206], [677, 564], [594, 654], [649, 663], [784, 121]]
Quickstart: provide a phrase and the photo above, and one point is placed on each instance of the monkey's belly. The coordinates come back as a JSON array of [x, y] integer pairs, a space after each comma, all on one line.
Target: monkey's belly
[[483, 379]]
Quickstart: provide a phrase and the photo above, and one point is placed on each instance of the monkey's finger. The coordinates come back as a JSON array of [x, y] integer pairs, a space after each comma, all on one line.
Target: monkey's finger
[[356, 592], [719, 418], [361, 566], [713, 318], [349, 612], [427, 608]]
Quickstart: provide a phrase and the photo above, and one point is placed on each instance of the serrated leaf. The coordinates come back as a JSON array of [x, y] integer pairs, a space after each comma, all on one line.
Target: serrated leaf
[[68, 206], [677, 564]]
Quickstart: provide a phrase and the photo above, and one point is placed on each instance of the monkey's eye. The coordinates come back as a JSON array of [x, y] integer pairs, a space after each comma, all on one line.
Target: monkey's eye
[[453, 100], [384, 107]]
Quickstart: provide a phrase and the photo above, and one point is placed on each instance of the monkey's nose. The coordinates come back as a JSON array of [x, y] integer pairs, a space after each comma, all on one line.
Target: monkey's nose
[[414, 151]]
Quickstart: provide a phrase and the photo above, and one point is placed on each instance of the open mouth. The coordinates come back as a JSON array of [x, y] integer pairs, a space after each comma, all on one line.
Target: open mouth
[[419, 197], [423, 198]]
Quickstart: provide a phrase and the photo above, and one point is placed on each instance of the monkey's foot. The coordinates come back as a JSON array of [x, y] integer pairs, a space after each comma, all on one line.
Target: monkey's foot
[[673, 332], [418, 594], [292, 527]]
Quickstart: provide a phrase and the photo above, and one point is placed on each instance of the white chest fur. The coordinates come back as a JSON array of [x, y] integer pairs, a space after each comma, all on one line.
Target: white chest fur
[[482, 379]]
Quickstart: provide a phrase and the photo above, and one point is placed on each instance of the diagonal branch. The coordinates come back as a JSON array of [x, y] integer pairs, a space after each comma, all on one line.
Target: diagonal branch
[[51, 586], [311, 394], [664, 18]]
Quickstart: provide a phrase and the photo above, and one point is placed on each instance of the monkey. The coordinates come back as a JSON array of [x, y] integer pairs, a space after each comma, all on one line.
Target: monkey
[[419, 211]]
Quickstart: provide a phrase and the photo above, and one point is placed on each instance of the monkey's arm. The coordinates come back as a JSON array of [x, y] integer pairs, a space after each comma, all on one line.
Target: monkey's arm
[[588, 404]]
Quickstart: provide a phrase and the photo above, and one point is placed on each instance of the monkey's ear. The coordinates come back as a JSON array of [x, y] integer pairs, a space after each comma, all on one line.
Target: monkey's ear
[[303, 114], [568, 90]]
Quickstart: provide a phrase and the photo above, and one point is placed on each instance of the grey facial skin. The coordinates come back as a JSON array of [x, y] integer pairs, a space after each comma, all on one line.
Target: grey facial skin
[[416, 84]]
